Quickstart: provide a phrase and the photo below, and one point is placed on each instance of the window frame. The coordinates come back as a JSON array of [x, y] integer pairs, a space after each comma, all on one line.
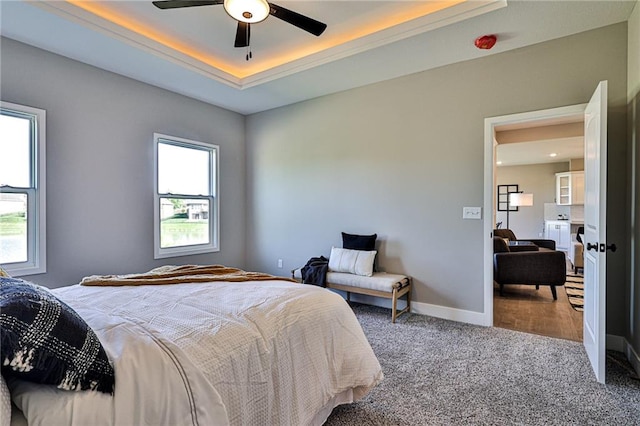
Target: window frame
[[36, 262], [214, 199]]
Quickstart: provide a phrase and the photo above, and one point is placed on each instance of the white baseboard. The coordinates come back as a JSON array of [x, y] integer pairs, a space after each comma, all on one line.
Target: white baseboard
[[471, 317], [615, 343], [632, 356]]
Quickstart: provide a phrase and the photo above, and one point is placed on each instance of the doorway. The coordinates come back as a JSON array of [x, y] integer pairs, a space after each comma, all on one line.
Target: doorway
[[544, 160], [524, 307]]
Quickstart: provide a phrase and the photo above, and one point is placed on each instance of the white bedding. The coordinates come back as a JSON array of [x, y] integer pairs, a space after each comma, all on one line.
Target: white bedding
[[242, 353]]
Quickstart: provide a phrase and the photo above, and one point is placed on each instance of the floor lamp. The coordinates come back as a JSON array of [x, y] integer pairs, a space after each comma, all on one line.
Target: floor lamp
[[518, 199]]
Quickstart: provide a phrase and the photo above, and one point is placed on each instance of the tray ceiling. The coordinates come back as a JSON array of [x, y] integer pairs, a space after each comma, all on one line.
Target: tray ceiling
[[190, 51]]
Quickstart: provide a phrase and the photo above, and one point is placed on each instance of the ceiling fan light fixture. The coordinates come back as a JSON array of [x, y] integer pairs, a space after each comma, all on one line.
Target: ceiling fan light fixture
[[249, 11]]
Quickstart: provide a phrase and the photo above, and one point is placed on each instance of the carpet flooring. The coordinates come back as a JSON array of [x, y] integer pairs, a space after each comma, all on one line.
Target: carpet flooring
[[440, 372], [574, 286]]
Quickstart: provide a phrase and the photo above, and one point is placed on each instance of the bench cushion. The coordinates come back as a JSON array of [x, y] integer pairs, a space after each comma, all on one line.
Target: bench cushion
[[380, 281]]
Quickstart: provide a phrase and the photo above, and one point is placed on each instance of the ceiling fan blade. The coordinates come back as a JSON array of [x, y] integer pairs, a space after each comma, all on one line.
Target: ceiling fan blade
[[303, 22], [243, 34], [175, 4]]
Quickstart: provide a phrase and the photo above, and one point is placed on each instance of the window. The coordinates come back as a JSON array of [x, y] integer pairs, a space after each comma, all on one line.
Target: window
[[22, 189], [186, 197]]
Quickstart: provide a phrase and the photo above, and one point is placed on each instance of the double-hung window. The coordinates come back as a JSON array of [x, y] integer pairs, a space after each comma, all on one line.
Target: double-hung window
[[186, 218], [22, 189]]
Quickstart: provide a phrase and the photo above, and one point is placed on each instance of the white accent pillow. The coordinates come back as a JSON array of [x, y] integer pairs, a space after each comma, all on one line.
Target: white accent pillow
[[356, 262]]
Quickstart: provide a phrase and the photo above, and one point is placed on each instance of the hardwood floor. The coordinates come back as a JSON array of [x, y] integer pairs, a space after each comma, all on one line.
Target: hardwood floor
[[523, 308]]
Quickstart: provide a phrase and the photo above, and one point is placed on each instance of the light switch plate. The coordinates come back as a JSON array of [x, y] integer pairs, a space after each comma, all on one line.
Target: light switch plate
[[472, 212]]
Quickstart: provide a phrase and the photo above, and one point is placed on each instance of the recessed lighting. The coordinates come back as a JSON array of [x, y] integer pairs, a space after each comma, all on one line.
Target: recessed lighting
[[553, 154], [498, 162]]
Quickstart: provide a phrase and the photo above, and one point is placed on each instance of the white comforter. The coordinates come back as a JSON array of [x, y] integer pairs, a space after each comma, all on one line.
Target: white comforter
[[244, 353]]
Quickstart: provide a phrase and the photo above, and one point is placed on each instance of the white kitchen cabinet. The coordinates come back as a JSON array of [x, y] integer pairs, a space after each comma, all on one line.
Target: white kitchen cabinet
[[570, 188], [560, 232]]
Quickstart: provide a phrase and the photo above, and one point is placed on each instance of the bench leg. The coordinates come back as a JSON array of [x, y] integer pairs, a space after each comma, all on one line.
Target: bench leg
[[553, 292], [349, 297], [394, 305]]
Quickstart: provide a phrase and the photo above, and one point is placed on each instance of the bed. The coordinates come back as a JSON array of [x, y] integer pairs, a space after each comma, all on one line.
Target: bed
[[256, 351]]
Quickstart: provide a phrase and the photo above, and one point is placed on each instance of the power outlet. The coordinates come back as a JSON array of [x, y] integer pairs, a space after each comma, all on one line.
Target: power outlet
[[279, 263]]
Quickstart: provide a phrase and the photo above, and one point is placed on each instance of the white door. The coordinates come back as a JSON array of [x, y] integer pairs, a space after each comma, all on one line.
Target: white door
[[595, 231]]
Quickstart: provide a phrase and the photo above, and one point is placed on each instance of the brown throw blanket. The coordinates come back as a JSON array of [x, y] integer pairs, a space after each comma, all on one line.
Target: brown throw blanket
[[180, 274]]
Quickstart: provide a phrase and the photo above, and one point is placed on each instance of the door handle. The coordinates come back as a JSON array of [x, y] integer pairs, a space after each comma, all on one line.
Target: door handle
[[592, 246], [604, 247]]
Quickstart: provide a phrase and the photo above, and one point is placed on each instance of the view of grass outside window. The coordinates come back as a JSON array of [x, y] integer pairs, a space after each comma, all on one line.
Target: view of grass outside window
[[16, 184], [13, 228], [186, 222], [185, 196]]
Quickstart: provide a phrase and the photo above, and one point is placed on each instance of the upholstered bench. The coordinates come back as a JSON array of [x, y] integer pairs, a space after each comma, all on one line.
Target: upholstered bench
[[380, 284]]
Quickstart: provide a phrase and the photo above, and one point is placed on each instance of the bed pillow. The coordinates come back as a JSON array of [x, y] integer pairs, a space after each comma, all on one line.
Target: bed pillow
[[44, 341], [358, 262], [359, 242]]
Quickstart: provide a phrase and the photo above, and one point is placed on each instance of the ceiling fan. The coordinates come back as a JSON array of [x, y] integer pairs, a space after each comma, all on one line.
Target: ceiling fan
[[248, 12]]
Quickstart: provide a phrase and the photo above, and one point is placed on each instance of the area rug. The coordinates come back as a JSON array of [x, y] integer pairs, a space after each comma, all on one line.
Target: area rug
[[574, 286]]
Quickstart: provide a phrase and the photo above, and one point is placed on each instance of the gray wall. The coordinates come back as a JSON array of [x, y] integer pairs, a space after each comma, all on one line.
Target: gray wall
[[402, 158], [536, 179], [633, 96], [100, 163]]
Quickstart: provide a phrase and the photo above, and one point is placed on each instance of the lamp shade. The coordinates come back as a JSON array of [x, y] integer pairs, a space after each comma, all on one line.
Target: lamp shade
[[250, 11], [519, 199]]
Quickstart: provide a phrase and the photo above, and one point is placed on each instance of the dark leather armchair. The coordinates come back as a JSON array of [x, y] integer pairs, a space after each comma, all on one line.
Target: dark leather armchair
[[508, 233], [540, 267]]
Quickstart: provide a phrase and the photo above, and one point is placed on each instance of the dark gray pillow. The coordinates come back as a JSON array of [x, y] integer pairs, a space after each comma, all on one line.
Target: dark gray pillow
[[359, 242], [44, 341]]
